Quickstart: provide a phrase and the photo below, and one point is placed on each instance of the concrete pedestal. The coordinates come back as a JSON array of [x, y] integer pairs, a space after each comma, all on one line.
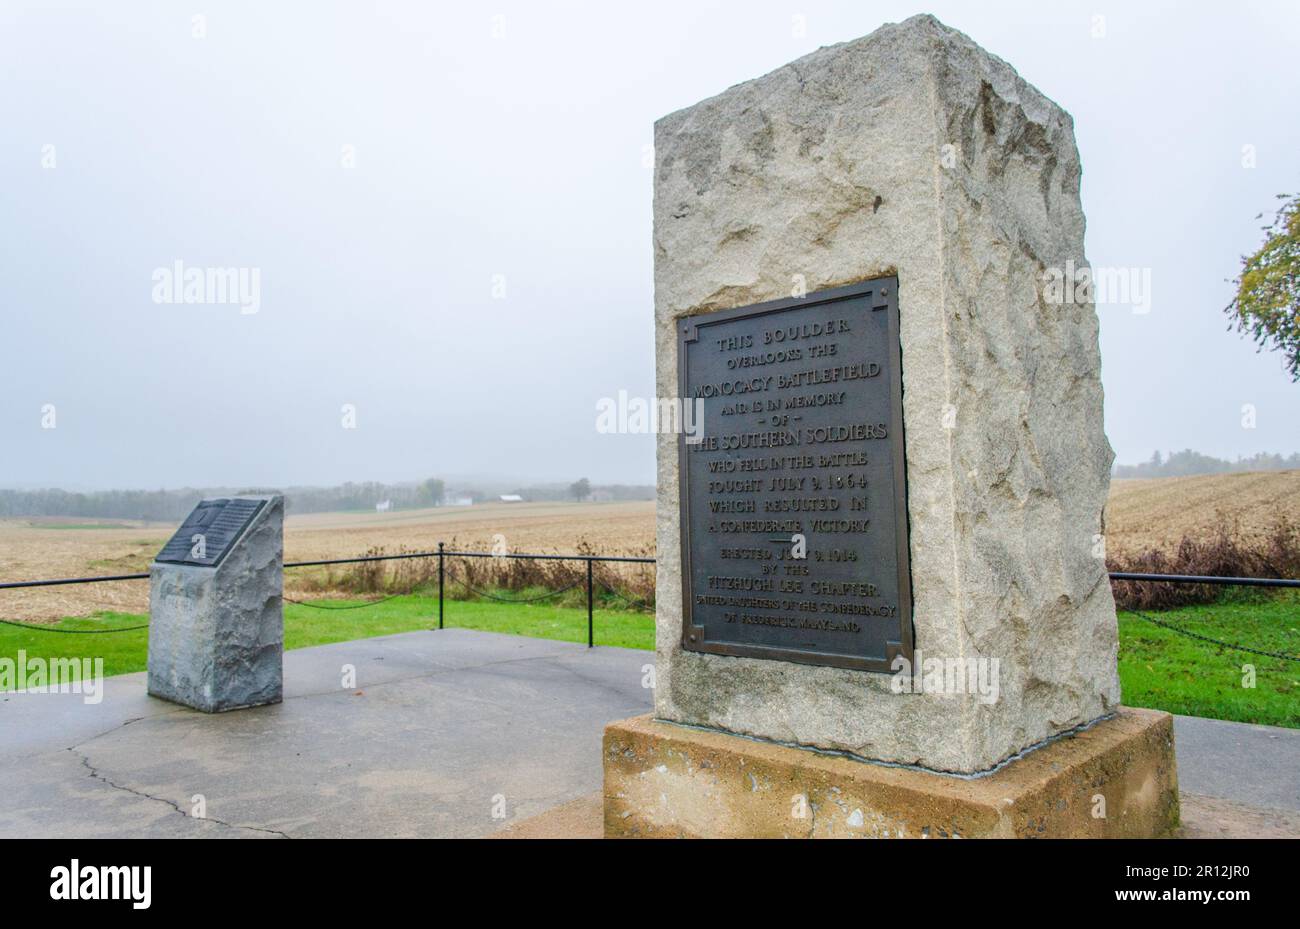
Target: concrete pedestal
[[1114, 779]]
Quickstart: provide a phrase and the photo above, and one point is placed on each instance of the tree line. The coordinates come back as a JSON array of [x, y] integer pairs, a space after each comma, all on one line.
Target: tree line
[[175, 505], [1188, 462]]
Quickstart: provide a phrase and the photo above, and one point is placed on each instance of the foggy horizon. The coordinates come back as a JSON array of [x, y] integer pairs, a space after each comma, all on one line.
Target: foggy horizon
[[441, 220]]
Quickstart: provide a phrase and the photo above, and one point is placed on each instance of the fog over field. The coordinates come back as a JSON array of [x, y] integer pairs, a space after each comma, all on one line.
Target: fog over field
[[438, 225]]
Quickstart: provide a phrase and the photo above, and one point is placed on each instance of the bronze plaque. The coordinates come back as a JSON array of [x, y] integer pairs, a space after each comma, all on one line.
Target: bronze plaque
[[210, 531], [793, 493]]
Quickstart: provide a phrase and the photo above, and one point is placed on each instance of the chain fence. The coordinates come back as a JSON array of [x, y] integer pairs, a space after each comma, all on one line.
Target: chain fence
[[644, 606]]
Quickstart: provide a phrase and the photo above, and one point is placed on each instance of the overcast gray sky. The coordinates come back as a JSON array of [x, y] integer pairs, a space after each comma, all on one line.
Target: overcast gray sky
[[511, 139]]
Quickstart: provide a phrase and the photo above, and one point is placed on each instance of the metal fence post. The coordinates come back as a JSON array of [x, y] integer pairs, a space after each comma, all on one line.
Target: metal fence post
[[590, 624], [440, 583]]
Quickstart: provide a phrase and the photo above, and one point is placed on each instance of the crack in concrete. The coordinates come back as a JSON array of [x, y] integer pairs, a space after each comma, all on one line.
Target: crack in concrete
[[37, 753], [79, 749], [97, 775]]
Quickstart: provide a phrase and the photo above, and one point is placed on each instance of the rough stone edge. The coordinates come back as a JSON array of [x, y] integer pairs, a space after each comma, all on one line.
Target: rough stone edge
[[269, 524], [158, 687], [1029, 98]]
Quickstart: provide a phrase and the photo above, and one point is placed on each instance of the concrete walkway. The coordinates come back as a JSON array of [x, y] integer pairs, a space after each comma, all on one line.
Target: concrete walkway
[[451, 733], [1255, 765]]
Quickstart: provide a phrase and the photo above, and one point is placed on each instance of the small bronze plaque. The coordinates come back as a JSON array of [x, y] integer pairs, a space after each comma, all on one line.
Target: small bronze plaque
[[793, 498], [210, 531]]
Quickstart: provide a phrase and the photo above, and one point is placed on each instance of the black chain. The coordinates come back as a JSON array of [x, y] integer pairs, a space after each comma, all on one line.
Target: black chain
[[1205, 638], [354, 606], [9, 622], [484, 593], [636, 604]]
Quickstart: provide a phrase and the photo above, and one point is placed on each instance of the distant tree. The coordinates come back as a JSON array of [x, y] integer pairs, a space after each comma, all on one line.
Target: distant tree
[[1267, 304], [173, 505], [1188, 462], [433, 491]]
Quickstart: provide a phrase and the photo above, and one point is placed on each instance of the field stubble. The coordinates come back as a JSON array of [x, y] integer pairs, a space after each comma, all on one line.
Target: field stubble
[[1147, 522], [34, 549]]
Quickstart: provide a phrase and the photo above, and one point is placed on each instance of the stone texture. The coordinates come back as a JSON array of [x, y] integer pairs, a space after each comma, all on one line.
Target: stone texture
[[216, 635], [666, 781], [837, 167]]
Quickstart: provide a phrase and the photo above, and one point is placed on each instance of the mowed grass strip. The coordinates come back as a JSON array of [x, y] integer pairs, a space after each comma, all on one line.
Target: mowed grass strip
[[1158, 667], [1162, 669], [324, 623], [122, 652]]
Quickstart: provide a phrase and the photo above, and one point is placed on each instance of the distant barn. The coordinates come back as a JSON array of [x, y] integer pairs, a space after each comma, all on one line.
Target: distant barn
[[511, 498]]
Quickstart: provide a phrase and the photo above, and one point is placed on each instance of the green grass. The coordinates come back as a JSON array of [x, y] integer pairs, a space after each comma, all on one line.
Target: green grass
[[122, 653], [304, 626], [1157, 667], [1163, 670]]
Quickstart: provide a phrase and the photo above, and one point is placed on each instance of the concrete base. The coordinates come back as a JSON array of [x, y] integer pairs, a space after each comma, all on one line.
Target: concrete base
[[1116, 779]]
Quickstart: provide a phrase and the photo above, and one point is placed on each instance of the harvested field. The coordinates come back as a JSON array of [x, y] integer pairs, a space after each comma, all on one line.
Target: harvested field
[[41, 548], [1142, 514], [1157, 513]]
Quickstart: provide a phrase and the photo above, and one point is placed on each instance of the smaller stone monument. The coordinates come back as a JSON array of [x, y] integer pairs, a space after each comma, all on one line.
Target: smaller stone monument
[[216, 617]]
